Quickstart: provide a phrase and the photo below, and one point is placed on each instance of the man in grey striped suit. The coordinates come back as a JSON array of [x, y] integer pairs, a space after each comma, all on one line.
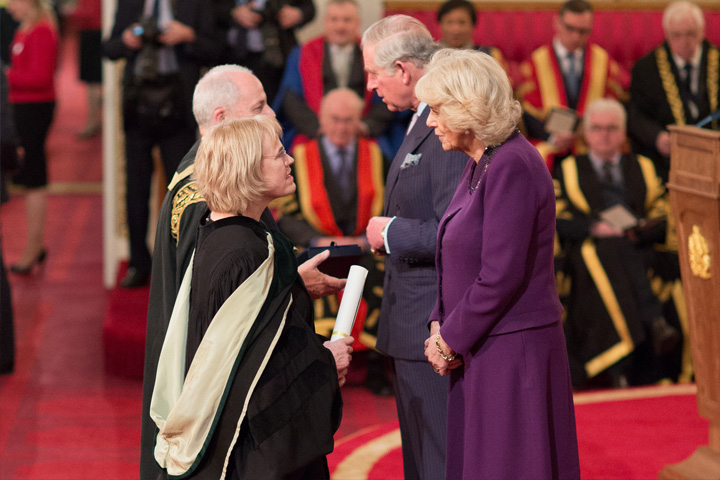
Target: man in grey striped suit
[[419, 187]]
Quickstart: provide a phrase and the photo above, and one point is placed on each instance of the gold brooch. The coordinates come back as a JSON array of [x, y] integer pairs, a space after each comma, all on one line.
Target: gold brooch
[[699, 254]]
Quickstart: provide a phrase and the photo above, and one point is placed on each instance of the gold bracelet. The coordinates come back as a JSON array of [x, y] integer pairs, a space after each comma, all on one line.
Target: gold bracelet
[[447, 358]]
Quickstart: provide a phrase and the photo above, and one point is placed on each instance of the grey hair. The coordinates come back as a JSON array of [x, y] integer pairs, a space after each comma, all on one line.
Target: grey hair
[[605, 105], [216, 89], [682, 9], [470, 91], [343, 2], [399, 38]]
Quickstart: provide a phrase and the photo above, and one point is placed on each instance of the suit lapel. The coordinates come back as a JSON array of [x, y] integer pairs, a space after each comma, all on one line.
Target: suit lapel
[[412, 141], [633, 182]]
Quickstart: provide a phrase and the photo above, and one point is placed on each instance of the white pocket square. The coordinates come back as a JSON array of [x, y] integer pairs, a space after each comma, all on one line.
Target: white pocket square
[[411, 160]]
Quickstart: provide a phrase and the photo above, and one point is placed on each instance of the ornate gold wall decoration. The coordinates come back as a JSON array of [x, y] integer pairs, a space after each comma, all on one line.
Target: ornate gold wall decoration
[[699, 254]]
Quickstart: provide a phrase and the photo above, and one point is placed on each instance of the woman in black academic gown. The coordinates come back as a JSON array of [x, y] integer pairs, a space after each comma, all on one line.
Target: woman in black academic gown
[[260, 397]]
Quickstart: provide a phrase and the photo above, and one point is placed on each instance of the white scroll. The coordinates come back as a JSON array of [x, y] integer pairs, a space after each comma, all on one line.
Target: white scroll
[[350, 302]]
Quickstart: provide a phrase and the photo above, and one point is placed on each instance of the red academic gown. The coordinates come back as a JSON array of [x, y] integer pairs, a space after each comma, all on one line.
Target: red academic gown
[[542, 87]]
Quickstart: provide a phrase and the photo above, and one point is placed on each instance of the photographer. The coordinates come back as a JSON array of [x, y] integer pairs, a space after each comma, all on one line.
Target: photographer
[[165, 43], [261, 34]]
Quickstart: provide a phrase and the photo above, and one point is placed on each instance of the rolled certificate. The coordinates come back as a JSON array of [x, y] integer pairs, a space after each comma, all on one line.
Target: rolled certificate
[[350, 302]]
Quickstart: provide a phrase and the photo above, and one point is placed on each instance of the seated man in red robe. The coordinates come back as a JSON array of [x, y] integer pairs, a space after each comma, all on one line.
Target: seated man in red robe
[[569, 73], [339, 188]]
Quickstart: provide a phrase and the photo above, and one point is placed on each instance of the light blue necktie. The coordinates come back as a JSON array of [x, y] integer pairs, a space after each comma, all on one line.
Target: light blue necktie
[[571, 81]]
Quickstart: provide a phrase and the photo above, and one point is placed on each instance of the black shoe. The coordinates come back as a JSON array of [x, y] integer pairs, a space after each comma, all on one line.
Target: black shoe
[[664, 337], [134, 278]]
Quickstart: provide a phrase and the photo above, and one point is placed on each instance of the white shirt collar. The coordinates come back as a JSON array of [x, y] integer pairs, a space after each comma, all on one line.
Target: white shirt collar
[[598, 162], [420, 108], [562, 51], [694, 61]]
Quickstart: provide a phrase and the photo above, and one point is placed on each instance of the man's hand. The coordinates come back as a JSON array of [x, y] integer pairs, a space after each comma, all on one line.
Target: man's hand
[[246, 16], [289, 16], [317, 283], [563, 141], [130, 40], [374, 232], [603, 229], [341, 350], [662, 143], [175, 32]]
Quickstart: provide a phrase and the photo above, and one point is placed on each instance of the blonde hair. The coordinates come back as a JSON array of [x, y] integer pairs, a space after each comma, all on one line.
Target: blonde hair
[[470, 92], [228, 165], [44, 11]]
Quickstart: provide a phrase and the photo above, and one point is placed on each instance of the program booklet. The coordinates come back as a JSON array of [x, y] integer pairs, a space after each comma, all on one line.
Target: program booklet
[[561, 120], [619, 217]]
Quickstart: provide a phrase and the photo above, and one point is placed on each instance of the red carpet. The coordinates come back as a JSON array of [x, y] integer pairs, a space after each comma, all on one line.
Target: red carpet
[[124, 329], [628, 434]]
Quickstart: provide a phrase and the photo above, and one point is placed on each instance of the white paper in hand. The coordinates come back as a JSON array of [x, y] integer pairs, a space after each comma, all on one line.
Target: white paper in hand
[[350, 302], [619, 217]]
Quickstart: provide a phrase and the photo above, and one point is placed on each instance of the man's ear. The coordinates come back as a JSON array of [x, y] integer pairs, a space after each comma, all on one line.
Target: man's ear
[[219, 115], [405, 71]]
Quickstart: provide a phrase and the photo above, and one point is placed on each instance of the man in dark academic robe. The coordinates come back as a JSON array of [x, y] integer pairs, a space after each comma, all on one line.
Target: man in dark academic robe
[[677, 83], [180, 215], [612, 309]]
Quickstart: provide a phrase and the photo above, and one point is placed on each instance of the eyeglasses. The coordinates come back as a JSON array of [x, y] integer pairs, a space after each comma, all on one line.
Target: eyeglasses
[[687, 34], [572, 29], [604, 128]]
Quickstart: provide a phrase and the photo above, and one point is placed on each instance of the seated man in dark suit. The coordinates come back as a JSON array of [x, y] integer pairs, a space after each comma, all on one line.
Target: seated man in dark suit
[[677, 83], [612, 309], [339, 188]]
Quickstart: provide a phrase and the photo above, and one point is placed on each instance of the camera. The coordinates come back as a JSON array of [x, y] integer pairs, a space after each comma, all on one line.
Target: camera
[[146, 64], [147, 28]]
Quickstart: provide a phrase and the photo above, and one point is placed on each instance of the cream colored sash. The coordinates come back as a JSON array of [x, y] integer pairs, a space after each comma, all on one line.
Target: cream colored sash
[[184, 411]]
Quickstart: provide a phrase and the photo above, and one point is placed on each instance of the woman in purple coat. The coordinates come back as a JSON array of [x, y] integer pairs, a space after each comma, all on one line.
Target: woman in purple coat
[[510, 406]]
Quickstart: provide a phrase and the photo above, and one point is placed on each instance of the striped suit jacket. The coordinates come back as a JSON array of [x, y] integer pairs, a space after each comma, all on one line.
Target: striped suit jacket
[[420, 184]]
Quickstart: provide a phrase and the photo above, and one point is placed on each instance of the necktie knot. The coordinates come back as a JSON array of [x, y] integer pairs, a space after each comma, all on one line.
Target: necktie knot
[[688, 71], [608, 178], [344, 172]]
